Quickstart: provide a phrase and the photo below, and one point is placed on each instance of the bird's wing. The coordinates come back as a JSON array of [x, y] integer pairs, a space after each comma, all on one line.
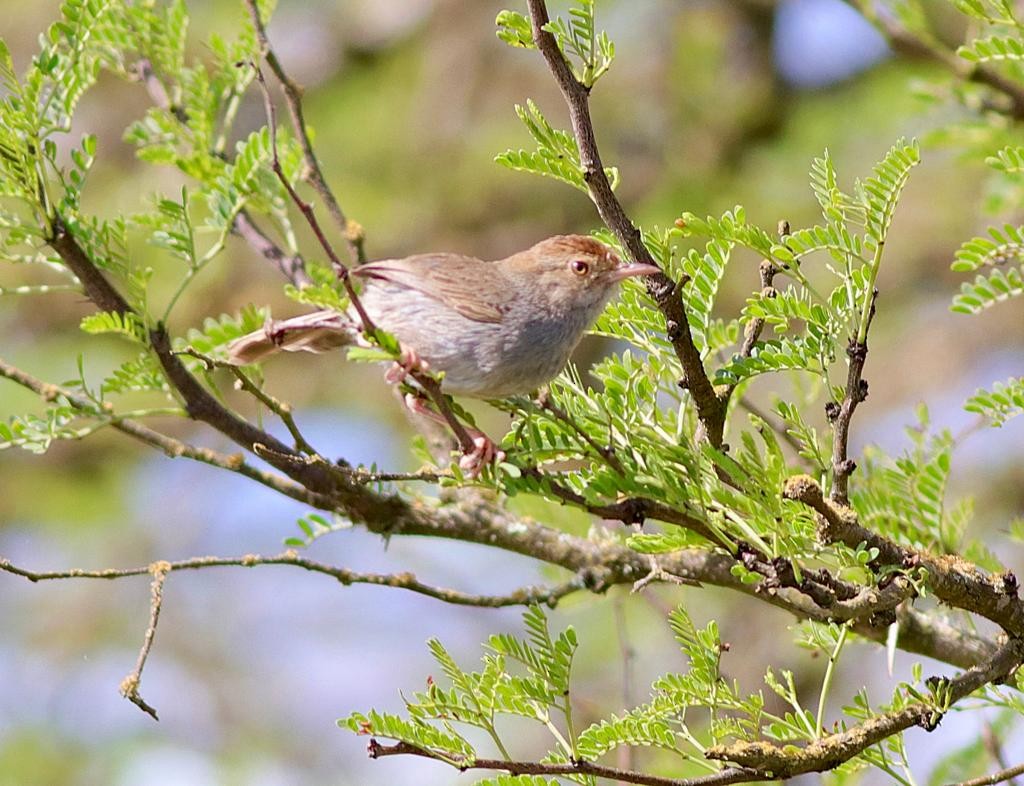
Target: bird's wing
[[457, 281]]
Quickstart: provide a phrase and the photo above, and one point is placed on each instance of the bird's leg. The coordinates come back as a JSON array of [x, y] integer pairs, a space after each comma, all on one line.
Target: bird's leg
[[408, 362], [484, 452]]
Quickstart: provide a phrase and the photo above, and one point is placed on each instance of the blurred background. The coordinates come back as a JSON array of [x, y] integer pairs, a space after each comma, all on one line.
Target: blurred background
[[710, 103]]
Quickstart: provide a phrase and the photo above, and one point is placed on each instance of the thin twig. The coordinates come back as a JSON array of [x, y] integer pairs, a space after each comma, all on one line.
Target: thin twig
[[995, 777], [524, 596], [145, 73], [580, 767], [307, 210], [426, 381], [711, 407], [279, 408], [292, 266], [929, 48], [169, 446], [313, 174], [605, 452], [130, 684], [840, 415]]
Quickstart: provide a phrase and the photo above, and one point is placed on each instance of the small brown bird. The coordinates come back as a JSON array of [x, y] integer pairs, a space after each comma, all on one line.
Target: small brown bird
[[495, 329]]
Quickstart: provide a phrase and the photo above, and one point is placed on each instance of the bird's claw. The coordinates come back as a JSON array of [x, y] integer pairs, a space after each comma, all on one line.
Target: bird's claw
[[408, 362], [484, 452]]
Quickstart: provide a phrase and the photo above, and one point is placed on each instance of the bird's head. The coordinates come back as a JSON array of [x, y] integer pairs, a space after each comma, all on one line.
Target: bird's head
[[576, 271]]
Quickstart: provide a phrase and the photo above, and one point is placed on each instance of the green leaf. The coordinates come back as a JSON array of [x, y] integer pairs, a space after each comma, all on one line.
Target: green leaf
[[589, 53], [1003, 402], [880, 192], [988, 290], [517, 780], [514, 29], [127, 325], [1009, 160], [557, 153], [447, 744], [993, 48], [1002, 245], [140, 374], [217, 333]]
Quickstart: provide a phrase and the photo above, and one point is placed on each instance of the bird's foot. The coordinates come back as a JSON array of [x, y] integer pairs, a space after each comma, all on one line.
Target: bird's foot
[[408, 362], [484, 452]]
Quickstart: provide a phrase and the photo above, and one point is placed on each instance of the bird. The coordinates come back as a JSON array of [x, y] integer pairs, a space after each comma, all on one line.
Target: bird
[[495, 329]]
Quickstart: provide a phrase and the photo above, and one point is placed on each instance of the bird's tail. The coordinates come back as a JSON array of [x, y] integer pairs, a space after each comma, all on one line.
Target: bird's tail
[[319, 331]]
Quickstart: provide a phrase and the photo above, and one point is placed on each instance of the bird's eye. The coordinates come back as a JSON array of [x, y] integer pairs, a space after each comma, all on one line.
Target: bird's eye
[[580, 267]]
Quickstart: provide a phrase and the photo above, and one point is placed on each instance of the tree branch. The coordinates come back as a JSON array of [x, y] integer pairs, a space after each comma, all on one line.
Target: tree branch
[[169, 446], [840, 416], [352, 231], [995, 777], [787, 761], [711, 407], [723, 778], [597, 564], [524, 596], [929, 49], [952, 579], [292, 266], [130, 684]]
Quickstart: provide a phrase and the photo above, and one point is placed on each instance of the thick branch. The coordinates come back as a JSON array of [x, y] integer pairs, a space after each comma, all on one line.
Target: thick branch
[[723, 778], [710, 406], [952, 579], [200, 404], [598, 565], [787, 761]]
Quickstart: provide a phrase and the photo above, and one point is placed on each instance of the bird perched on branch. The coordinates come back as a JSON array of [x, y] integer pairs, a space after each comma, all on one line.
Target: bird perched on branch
[[495, 329]]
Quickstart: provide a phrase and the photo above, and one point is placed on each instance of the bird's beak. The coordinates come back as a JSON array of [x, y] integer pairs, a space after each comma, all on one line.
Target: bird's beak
[[633, 269]]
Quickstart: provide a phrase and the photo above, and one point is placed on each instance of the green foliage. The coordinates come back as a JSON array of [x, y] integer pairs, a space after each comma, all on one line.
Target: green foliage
[[217, 333], [36, 433], [324, 292], [140, 374], [983, 50], [905, 499], [625, 431], [1001, 403], [988, 290], [686, 713], [126, 325], [314, 526], [539, 688], [810, 448], [557, 154], [514, 29], [590, 53], [1004, 244]]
